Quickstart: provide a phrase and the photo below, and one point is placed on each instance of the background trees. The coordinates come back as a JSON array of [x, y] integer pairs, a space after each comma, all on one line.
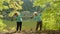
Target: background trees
[[9, 7], [50, 13]]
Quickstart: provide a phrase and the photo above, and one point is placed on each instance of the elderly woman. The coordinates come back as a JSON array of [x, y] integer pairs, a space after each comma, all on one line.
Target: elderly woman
[[37, 18]]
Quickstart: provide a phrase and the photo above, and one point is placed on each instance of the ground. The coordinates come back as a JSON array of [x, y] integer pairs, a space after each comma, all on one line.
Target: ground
[[32, 32]]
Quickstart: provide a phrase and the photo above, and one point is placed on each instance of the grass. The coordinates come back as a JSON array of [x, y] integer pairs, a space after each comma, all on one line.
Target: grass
[[11, 25], [6, 25], [29, 24]]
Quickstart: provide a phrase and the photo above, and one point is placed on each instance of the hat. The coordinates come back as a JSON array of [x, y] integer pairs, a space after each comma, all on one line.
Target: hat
[[34, 13]]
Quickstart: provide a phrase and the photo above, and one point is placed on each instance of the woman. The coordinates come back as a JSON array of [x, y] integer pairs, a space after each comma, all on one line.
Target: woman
[[37, 18], [19, 21]]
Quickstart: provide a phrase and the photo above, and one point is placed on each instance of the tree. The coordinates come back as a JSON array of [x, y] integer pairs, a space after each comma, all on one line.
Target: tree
[[50, 14], [2, 6], [11, 6], [15, 5]]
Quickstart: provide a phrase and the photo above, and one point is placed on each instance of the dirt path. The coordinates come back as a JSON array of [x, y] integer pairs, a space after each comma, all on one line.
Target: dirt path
[[30, 32]]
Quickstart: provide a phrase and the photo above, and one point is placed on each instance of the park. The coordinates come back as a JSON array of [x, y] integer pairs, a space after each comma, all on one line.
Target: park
[[50, 10]]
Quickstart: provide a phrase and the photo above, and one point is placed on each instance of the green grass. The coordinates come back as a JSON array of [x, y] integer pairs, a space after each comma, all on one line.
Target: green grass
[[11, 25], [29, 24], [6, 25]]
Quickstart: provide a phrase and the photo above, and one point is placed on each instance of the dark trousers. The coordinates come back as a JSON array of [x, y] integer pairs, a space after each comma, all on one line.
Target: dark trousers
[[39, 23], [19, 25]]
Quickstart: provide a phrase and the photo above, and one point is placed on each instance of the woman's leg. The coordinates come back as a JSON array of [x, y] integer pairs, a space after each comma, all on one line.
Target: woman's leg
[[17, 26], [37, 26], [40, 25], [20, 25]]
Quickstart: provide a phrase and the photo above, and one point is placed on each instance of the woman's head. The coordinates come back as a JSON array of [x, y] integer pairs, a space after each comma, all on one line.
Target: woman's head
[[17, 13]]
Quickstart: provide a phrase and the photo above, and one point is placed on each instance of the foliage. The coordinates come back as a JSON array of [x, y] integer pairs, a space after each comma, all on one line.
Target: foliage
[[2, 6], [16, 5], [10, 6], [50, 14], [2, 25]]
